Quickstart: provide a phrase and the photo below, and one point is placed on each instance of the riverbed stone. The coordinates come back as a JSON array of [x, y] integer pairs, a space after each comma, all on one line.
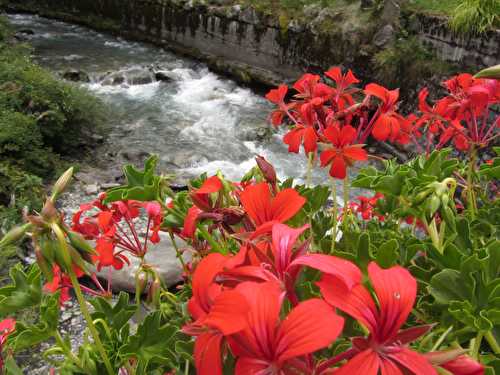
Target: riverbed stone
[[385, 36], [76, 75], [162, 257]]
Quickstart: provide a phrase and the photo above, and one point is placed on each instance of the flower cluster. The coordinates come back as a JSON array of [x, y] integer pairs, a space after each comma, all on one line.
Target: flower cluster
[[336, 120]]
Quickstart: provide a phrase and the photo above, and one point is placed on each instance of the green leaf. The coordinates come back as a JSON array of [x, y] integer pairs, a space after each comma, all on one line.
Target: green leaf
[[153, 342], [115, 316], [25, 292], [446, 287], [387, 254]]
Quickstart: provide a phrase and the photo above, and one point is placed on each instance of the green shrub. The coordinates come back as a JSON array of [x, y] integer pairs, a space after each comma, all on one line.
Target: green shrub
[[476, 16]]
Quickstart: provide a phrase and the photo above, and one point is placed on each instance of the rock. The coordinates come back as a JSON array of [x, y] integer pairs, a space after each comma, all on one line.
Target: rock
[[162, 257], [136, 157], [163, 76], [296, 26], [75, 75], [385, 36], [234, 11], [92, 189], [26, 31], [133, 76], [249, 15]]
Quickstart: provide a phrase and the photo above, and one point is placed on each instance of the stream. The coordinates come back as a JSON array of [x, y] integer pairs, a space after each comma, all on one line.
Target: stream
[[195, 120]]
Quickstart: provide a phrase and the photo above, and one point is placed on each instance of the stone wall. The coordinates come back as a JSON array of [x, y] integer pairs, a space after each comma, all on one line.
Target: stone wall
[[240, 42], [255, 48], [470, 51]]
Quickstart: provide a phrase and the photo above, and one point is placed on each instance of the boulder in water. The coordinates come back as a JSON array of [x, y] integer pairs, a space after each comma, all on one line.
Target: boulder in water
[[163, 76], [76, 75]]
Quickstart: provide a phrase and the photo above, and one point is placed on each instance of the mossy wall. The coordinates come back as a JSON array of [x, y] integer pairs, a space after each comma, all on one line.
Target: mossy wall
[[239, 41]]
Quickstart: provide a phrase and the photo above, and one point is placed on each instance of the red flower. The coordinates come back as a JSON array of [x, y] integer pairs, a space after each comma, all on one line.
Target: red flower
[[301, 135], [366, 206], [344, 153], [342, 95], [106, 255], [385, 348], [264, 209], [388, 122], [7, 327], [269, 345], [61, 281], [217, 313], [285, 261], [461, 365], [277, 96]]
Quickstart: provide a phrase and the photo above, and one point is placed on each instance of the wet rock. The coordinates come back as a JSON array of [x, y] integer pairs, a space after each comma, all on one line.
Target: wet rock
[[133, 76], [385, 36], [26, 31], [163, 76], [76, 75], [162, 257]]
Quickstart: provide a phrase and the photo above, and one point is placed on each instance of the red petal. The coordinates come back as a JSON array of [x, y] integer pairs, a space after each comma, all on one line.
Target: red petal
[[357, 302], [207, 354], [350, 78], [310, 326], [389, 368], [342, 269], [411, 334], [382, 130], [376, 90], [286, 204], [347, 135], [355, 153], [396, 291], [284, 238], [413, 361], [335, 74], [338, 168], [277, 95], [247, 366], [203, 277], [104, 219], [256, 200], [293, 139], [211, 185], [327, 156], [190, 220], [310, 140], [332, 133], [366, 363], [228, 313]]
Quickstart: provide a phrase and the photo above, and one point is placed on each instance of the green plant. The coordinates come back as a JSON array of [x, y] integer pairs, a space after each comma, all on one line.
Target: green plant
[[475, 16]]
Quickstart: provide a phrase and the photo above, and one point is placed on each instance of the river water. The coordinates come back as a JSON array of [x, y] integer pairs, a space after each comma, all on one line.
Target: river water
[[196, 122]]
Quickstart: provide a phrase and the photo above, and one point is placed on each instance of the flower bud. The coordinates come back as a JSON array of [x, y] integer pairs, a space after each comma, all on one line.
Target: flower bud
[[267, 170], [14, 235], [154, 292], [79, 243], [141, 281], [49, 211], [492, 72], [61, 184], [43, 264]]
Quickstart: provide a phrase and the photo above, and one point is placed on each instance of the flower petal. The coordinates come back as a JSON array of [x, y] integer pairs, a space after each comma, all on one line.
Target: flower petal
[[310, 326], [367, 363], [228, 312], [207, 354], [286, 204], [211, 185], [256, 200], [413, 361]]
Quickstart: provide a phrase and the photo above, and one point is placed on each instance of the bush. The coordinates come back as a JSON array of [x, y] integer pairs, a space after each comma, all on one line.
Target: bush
[[476, 16]]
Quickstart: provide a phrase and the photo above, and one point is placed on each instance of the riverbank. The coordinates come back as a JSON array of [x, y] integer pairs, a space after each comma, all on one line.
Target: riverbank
[[44, 123]]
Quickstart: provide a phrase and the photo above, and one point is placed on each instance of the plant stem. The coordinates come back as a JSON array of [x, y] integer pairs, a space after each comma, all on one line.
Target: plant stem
[[334, 215], [310, 166], [475, 345], [493, 342], [178, 253], [471, 196], [68, 351], [214, 245], [441, 339], [90, 323], [346, 203]]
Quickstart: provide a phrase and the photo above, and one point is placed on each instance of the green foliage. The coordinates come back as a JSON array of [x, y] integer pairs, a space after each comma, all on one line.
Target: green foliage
[[476, 16]]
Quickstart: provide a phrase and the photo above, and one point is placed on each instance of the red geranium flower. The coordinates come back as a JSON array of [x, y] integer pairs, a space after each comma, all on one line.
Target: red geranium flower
[[7, 327], [385, 348], [269, 345], [388, 122], [264, 210], [277, 96], [341, 95], [344, 153]]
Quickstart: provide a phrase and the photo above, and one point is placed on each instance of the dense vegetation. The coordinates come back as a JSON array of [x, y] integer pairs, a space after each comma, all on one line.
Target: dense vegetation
[[42, 121]]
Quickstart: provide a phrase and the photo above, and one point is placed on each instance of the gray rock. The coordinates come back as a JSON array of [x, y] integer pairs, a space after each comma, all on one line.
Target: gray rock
[[75, 75], [385, 36], [162, 257], [91, 189], [249, 15], [367, 3]]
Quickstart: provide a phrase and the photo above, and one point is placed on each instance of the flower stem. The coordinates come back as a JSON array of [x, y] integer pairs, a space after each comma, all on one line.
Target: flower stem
[[441, 339], [310, 166], [346, 203], [90, 323], [493, 342], [471, 197], [178, 253], [475, 345], [334, 215]]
